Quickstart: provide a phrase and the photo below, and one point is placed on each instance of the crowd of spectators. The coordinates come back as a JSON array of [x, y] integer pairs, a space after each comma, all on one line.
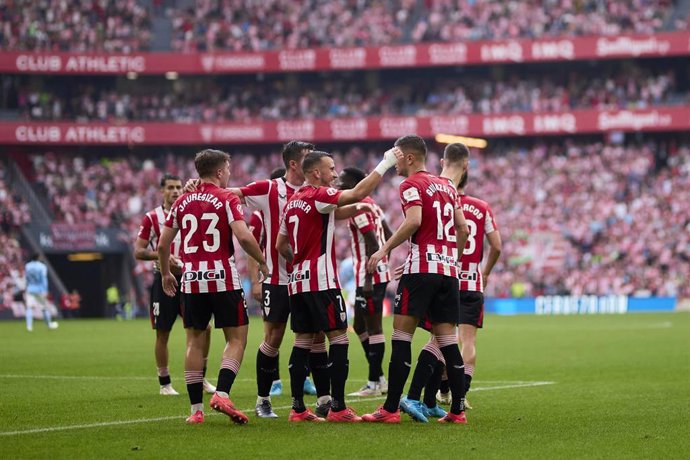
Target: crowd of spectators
[[14, 212], [250, 25], [77, 26], [421, 93], [576, 218], [247, 25]]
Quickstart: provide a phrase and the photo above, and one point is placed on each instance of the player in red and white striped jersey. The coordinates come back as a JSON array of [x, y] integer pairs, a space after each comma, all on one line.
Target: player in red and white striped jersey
[[163, 310], [368, 231], [269, 197], [435, 226], [207, 220], [306, 240]]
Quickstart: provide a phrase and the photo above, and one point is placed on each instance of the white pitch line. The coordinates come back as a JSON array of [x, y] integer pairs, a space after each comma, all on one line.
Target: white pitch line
[[177, 417]]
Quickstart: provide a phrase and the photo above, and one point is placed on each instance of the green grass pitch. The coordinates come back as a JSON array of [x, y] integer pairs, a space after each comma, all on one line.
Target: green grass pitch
[[546, 387]]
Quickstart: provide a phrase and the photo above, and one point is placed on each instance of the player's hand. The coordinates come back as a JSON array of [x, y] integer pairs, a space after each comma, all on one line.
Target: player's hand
[[374, 260], [263, 269], [366, 207], [398, 272], [485, 279], [192, 185], [256, 291], [169, 284], [175, 265], [390, 158]]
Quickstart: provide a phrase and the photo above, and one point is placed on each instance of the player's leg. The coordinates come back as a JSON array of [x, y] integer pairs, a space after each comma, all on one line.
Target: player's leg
[[299, 368], [193, 373], [230, 314], [377, 341], [29, 314], [358, 324], [275, 312], [468, 340], [319, 366], [163, 312], [208, 387], [161, 354], [45, 309], [427, 361]]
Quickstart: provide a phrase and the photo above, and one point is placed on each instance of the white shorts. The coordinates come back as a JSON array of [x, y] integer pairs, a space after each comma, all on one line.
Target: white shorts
[[37, 302]]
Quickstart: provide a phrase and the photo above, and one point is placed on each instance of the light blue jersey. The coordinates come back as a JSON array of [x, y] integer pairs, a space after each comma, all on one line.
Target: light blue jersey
[[36, 277]]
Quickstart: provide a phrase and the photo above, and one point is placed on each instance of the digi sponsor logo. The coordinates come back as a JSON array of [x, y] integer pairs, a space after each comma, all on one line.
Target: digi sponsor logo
[[559, 49], [565, 122], [468, 276], [633, 120], [298, 276], [395, 56], [396, 127], [514, 124], [453, 53], [353, 128], [297, 59], [449, 125], [347, 58], [204, 275], [502, 52], [628, 46], [303, 129]]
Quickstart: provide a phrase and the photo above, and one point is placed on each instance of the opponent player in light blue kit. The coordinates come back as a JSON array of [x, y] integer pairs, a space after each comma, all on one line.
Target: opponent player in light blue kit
[[36, 274]]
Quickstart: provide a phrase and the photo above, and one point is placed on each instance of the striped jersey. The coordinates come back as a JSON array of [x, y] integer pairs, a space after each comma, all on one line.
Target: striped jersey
[[480, 220], [150, 230], [309, 224], [433, 247], [359, 225], [269, 197], [203, 218]]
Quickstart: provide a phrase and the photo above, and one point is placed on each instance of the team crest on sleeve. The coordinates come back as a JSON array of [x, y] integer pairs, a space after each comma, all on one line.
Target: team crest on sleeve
[[331, 191], [361, 221], [411, 194]]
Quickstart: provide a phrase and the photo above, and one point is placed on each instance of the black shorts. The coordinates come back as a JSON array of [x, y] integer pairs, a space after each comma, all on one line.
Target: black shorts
[[317, 311], [428, 295], [472, 308], [275, 305], [372, 305], [164, 309], [228, 308]]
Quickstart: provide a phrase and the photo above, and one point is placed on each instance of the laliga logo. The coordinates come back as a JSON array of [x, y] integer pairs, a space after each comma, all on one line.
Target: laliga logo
[[393, 56], [348, 58], [207, 62], [562, 49], [206, 133], [498, 52], [457, 125], [295, 129], [455, 53], [396, 127]]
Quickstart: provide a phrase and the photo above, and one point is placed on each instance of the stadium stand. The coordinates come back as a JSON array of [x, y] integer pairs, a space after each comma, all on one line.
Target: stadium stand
[[13, 213], [220, 99]]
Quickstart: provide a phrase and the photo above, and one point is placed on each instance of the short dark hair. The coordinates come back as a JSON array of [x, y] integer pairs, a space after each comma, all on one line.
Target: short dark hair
[[412, 144], [34, 256], [278, 172], [167, 177], [312, 159], [208, 161], [455, 152], [355, 175], [293, 149]]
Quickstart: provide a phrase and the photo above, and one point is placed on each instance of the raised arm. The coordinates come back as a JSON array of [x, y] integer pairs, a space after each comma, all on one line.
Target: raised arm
[[367, 185]]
